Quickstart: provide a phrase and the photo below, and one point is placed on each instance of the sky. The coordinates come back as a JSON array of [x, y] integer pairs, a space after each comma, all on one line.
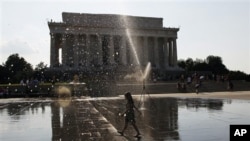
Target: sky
[[207, 27]]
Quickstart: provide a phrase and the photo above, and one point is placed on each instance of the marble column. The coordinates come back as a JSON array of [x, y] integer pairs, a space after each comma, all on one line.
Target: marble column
[[111, 50], [58, 42], [64, 50], [52, 50], [82, 44], [87, 50], [156, 51], [122, 51], [166, 53], [140, 49], [70, 50], [151, 50], [170, 52], [134, 54], [137, 50], [174, 53], [145, 50], [76, 51], [99, 50]]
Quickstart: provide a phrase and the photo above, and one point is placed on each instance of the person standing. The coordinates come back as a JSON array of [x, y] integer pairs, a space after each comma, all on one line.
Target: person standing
[[197, 82], [129, 114]]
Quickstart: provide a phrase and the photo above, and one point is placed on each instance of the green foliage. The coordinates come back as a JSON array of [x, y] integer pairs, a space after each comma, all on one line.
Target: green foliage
[[212, 64], [17, 68], [189, 64], [41, 67], [237, 75], [248, 78], [182, 64], [215, 65], [39, 72], [200, 66], [213, 60], [3, 74]]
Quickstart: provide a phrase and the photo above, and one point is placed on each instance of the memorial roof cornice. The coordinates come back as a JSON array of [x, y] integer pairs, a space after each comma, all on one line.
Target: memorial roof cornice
[[66, 25]]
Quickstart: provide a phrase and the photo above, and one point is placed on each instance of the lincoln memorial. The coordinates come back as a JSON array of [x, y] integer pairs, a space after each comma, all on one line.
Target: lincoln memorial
[[85, 41]]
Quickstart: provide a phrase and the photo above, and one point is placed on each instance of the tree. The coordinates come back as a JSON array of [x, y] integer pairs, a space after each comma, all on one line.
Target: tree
[[212, 60], [17, 68], [3, 74], [182, 64], [189, 64], [200, 66], [215, 65], [41, 66], [237, 75], [40, 71], [211, 63]]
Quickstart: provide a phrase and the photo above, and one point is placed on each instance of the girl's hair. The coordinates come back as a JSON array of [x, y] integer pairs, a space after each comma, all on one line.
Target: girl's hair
[[129, 97]]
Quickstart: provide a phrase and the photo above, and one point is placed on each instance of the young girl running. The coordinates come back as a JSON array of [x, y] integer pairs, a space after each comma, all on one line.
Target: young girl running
[[129, 114]]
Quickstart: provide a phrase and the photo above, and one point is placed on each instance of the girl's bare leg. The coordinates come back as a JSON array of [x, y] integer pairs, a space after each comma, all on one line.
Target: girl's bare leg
[[136, 129], [124, 128]]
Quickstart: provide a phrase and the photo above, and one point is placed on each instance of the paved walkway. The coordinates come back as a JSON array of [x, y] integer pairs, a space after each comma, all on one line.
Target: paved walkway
[[243, 95]]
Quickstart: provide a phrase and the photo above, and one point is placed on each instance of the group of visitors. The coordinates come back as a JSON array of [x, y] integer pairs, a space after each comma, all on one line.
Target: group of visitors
[[195, 78]]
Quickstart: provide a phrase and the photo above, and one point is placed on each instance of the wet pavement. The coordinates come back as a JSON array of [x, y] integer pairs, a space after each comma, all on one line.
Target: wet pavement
[[162, 119]]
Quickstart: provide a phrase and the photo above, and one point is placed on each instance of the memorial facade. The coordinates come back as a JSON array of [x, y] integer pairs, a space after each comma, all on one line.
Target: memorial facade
[[87, 41]]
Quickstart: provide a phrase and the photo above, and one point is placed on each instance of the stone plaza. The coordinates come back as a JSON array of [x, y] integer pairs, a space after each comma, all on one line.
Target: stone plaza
[[175, 117]]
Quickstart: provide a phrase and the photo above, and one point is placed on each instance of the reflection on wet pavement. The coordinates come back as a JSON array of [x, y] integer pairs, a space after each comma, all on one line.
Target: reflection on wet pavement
[[97, 119]]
